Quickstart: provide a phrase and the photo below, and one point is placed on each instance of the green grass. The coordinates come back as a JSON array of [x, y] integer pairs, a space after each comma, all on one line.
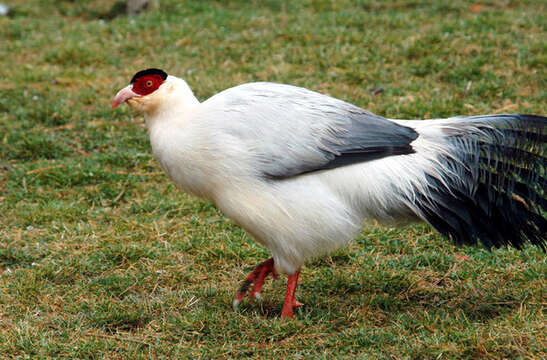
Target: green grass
[[101, 257]]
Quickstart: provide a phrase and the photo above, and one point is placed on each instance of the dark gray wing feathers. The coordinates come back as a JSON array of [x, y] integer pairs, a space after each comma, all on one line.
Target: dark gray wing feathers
[[367, 137], [292, 131]]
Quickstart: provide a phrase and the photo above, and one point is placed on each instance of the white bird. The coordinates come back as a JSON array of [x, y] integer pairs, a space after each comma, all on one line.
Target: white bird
[[301, 171]]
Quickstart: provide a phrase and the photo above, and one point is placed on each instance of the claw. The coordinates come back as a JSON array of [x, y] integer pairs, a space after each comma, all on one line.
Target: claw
[[235, 304]]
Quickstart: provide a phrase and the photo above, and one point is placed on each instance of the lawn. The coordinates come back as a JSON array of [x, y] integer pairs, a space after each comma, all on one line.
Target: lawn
[[101, 257]]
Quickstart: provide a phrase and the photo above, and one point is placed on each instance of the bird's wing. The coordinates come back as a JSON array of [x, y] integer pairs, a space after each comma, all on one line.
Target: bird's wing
[[289, 130]]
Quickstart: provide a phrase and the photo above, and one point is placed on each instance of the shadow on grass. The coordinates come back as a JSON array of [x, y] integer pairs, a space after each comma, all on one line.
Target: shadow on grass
[[118, 9], [267, 309]]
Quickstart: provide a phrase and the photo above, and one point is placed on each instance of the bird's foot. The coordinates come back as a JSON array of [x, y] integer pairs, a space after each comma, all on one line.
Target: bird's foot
[[255, 278], [290, 302]]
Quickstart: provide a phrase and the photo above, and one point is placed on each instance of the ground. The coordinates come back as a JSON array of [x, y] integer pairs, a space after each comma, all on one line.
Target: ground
[[101, 257]]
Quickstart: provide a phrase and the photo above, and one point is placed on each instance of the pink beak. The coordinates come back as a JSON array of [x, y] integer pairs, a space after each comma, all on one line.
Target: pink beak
[[123, 95]]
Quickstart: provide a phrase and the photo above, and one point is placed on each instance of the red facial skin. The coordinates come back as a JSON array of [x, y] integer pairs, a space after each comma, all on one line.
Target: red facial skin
[[147, 84]]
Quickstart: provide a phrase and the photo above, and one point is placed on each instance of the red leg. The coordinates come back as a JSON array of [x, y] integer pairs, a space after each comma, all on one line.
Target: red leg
[[290, 303], [256, 277], [266, 269]]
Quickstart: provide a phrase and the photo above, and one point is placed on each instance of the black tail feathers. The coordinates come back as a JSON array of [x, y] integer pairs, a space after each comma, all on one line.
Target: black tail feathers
[[493, 190]]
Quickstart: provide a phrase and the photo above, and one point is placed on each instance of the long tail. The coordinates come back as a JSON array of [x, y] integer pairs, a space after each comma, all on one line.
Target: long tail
[[488, 180]]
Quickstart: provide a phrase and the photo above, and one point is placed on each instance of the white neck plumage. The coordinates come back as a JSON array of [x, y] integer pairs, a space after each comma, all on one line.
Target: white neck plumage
[[173, 99]]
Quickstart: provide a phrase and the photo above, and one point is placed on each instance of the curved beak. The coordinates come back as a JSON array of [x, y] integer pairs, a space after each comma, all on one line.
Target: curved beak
[[123, 95]]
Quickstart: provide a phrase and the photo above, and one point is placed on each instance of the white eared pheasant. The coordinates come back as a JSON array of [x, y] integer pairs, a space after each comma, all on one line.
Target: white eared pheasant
[[301, 171]]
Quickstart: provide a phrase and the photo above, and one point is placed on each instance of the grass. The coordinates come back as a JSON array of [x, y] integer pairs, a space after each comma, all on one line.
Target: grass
[[102, 258]]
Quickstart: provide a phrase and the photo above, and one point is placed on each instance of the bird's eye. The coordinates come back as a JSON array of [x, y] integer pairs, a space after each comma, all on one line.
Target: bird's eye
[[149, 83]]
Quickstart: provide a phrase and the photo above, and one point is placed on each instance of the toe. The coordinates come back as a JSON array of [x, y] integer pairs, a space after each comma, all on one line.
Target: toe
[[235, 304]]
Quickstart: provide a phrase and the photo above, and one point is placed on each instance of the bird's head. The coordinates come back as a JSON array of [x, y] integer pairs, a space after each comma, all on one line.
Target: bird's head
[[152, 91], [144, 90]]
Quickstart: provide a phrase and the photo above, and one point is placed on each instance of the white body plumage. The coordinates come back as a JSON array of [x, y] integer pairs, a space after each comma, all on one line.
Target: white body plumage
[[219, 150]]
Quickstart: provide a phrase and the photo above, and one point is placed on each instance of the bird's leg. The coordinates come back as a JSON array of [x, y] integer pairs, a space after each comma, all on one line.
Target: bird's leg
[[266, 269], [290, 303], [256, 277]]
